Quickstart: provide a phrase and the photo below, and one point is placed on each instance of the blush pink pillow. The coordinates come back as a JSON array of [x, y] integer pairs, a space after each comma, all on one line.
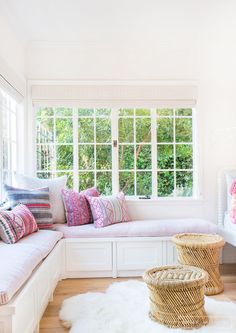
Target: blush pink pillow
[[233, 202], [77, 207], [109, 210]]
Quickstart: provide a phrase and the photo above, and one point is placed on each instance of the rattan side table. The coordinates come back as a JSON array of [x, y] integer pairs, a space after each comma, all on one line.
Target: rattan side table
[[202, 250], [176, 296]]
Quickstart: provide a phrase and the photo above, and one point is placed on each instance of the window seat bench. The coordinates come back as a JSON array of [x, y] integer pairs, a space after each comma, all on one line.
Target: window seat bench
[[124, 249]]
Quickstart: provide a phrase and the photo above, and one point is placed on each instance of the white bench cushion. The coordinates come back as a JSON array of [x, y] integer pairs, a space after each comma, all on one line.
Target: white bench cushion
[[20, 259], [141, 228]]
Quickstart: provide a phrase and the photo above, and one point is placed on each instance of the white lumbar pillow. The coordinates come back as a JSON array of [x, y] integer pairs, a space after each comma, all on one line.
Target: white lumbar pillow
[[55, 186]]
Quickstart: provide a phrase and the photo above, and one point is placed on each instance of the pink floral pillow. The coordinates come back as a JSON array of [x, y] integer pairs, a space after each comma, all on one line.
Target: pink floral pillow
[[77, 207], [233, 202], [109, 210]]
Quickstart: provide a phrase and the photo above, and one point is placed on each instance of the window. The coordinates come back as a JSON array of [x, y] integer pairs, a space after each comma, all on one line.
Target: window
[[143, 152], [8, 113]]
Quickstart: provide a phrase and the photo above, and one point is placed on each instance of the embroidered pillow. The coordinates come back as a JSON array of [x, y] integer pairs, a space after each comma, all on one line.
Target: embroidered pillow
[[77, 207], [109, 210], [233, 202], [16, 224], [36, 200]]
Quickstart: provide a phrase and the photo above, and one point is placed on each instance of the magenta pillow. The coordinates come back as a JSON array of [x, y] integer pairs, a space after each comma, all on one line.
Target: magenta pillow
[[16, 224], [77, 207], [109, 210]]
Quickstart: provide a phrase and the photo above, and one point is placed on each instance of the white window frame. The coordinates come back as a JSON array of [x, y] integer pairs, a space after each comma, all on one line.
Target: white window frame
[[11, 108], [115, 153]]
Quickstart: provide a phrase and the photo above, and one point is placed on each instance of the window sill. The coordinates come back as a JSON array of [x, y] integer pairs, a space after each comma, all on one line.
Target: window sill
[[166, 201]]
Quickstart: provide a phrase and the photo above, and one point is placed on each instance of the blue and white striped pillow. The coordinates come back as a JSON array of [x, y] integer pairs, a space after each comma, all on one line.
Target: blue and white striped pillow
[[36, 200]]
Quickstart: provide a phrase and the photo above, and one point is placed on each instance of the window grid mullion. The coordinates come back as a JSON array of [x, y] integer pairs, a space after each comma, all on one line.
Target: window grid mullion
[[154, 151], [75, 151], [174, 133], [135, 155], [94, 145], [115, 151], [54, 164]]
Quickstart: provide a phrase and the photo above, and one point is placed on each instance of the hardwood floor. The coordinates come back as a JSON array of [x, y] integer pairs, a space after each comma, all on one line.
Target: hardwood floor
[[50, 322]]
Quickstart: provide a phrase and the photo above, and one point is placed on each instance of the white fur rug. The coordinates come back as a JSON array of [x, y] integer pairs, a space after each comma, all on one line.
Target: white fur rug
[[124, 309]]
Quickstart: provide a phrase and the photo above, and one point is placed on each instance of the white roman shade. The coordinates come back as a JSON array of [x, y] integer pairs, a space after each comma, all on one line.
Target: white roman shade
[[115, 95]]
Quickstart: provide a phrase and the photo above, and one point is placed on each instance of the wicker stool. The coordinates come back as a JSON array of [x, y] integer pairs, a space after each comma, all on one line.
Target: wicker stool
[[203, 251], [177, 296]]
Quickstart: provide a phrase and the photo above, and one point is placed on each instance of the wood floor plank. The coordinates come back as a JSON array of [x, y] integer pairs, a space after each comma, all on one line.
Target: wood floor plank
[[50, 322]]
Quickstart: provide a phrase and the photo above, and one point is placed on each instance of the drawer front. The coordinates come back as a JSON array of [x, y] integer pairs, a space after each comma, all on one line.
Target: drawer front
[[88, 256], [139, 255]]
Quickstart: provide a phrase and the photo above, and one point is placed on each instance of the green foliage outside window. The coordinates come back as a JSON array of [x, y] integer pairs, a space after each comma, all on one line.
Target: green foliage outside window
[[174, 149]]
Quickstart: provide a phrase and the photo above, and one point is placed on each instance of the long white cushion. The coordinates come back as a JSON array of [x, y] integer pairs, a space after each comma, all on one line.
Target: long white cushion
[[20, 259], [141, 228]]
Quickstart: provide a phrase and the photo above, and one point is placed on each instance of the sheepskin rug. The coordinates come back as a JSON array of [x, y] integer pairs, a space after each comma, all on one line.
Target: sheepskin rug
[[124, 309]]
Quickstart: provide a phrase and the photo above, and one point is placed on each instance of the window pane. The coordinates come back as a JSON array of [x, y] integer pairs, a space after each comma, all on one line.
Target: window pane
[[103, 112], [144, 183], [184, 183], [143, 112], [165, 130], [64, 157], [165, 112], [183, 128], [86, 180], [126, 180], [86, 157], [143, 130], [13, 126], [103, 130], [126, 157], [184, 156], [45, 175], [45, 130], [126, 112], [85, 112], [44, 112], [183, 112], [5, 155], [69, 175], [165, 183], [144, 157], [63, 112], [45, 157], [104, 183], [64, 130], [86, 130], [126, 130], [165, 156], [104, 157]]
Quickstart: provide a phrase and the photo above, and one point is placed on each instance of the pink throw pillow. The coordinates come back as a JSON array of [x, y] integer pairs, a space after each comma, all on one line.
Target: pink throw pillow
[[233, 202], [77, 207], [16, 224], [109, 210]]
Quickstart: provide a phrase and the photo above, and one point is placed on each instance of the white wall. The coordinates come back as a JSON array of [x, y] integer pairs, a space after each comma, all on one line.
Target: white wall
[[12, 53], [184, 40]]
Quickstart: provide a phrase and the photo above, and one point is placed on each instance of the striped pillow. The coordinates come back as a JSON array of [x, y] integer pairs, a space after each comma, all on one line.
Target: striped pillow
[[16, 224], [36, 200]]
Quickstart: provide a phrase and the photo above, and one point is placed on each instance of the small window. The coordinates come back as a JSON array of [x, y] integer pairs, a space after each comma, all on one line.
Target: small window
[[8, 138]]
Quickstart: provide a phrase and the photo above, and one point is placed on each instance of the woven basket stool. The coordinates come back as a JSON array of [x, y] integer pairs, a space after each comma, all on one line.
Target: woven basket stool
[[202, 250], [176, 296]]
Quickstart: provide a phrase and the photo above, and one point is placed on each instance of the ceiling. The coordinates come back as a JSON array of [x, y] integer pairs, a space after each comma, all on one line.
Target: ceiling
[[108, 20]]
